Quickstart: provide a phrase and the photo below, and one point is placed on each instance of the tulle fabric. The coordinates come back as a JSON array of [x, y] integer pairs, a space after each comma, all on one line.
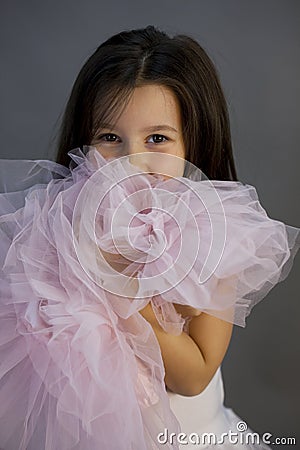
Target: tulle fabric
[[79, 366]]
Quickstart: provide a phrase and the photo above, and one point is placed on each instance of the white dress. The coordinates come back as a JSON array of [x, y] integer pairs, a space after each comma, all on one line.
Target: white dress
[[205, 413]]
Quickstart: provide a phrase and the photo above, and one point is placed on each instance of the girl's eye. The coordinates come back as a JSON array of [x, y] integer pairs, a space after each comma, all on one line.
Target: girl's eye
[[158, 138], [109, 137]]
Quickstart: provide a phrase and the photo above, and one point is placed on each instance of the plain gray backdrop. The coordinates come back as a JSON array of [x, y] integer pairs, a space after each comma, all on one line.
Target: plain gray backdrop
[[255, 46]]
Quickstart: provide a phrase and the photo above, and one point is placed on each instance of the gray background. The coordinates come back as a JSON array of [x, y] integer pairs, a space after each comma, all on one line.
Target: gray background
[[255, 46]]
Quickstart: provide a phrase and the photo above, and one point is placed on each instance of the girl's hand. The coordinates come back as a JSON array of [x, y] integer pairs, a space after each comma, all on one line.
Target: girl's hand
[[187, 311], [116, 261], [148, 314]]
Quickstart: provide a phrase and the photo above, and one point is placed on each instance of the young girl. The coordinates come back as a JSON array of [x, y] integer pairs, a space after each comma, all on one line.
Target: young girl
[[124, 268]]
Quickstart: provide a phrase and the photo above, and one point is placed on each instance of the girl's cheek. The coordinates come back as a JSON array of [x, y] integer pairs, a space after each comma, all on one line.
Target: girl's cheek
[[167, 165]]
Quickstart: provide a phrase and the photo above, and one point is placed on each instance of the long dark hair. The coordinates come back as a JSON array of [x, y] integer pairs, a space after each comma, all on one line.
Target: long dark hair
[[149, 56]]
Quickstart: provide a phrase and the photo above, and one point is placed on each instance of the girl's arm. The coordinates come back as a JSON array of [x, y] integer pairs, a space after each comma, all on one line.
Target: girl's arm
[[190, 361]]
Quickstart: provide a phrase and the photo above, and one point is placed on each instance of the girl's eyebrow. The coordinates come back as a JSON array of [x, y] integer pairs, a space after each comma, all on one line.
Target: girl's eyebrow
[[159, 128], [151, 129]]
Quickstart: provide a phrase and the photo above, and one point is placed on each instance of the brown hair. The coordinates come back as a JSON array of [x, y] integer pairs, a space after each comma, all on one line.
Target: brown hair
[[149, 56]]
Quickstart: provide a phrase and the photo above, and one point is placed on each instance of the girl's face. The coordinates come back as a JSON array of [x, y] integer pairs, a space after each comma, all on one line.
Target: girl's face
[[150, 122]]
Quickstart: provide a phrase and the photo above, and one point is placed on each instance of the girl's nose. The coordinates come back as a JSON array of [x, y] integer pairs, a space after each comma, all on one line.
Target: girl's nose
[[140, 160], [134, 147], [138, 156]]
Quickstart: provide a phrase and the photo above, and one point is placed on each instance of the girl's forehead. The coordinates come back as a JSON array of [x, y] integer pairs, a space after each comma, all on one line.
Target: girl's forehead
[[148, 105]]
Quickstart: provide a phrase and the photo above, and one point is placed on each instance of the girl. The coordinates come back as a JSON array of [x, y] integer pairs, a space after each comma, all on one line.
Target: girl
[[94, 354]]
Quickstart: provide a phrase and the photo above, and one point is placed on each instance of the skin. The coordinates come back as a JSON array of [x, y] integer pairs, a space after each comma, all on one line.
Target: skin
[[151, 122]]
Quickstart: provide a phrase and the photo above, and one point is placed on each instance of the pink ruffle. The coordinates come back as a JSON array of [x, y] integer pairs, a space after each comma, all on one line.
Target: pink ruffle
[[80, 367]]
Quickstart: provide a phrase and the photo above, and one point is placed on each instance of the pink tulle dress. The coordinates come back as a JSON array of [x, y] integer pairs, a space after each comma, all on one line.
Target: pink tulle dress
[[83, 249]]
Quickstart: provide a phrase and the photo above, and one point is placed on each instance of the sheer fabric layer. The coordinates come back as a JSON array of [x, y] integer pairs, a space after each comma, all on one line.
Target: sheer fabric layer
[[80, 367]]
